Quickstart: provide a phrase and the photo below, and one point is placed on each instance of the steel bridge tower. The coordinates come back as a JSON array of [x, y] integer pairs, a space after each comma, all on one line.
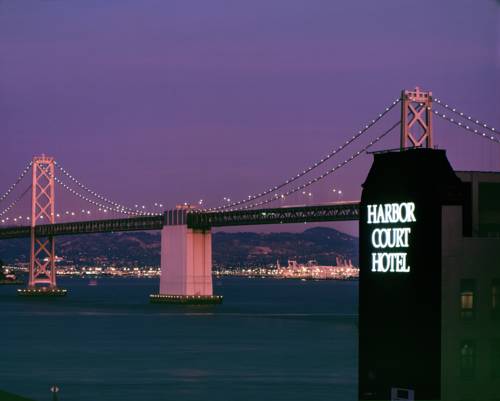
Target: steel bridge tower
[[42, 269], [416, 119]]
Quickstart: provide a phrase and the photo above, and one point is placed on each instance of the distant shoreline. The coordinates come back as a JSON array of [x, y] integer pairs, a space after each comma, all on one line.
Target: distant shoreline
[[11, 282]]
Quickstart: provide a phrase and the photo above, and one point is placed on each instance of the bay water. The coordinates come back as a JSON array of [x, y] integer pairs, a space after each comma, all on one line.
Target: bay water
[[270, 340]]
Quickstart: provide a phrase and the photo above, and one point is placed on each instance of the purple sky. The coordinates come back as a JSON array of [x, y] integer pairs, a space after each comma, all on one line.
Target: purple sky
[[174, 101]]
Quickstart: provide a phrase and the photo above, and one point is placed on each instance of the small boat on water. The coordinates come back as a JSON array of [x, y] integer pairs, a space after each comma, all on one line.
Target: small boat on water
[[93, 283]]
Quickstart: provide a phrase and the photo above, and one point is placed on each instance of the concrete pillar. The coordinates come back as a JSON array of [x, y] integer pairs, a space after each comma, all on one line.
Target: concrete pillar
[[186, 262]]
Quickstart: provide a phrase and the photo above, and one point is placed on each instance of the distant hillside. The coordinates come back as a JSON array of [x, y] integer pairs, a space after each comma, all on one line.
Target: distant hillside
[[321, 244], [229, 249]]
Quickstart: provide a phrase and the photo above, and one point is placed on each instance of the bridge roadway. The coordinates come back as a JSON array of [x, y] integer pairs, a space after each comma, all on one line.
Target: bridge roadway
[[341, 211]]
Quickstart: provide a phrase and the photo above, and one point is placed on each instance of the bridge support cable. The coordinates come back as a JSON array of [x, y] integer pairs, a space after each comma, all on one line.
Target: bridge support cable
[[322, 176], [19, 179], [101, 205], [470, 119], [14, 203], [114, 205], [311, 167], [467, 127]]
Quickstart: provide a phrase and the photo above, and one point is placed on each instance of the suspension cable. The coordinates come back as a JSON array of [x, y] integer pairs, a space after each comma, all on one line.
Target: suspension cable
[[21, 176], [14, 202], [93, 193], [311, 167], [98, 204], [467, 117], [467, 127], [325, 174]]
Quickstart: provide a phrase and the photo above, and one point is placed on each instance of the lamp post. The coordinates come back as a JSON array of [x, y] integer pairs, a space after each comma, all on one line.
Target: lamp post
[[54, 390]]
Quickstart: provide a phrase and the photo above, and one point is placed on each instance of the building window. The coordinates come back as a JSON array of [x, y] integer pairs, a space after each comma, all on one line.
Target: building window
[[467, 298], [495, 298], [467, 359], [495, 358]]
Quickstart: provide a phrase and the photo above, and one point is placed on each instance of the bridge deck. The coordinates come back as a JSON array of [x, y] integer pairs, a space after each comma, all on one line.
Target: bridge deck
[[284, 215], [87, 227]]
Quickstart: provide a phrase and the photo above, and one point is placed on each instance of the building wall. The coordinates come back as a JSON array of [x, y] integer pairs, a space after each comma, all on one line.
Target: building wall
[[481, 211], [470, 335], [399, 310]]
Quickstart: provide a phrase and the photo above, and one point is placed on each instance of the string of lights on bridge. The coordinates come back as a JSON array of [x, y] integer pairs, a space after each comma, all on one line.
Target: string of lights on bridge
[[19, 179], [8, 208], [116, 207], [94, 193], [313, 166], [467, 127], [102, 206], [467, 117], [14, 202], [322, 176], [105, 205], [67, 213]]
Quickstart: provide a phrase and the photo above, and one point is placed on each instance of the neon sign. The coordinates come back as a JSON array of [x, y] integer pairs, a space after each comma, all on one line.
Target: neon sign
[[392, 241]]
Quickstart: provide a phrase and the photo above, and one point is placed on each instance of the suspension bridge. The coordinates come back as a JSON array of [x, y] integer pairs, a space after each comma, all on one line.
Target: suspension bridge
[[186, 253]]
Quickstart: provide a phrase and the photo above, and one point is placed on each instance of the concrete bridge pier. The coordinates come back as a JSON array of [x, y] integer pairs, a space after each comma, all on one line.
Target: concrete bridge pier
[[186, 266]]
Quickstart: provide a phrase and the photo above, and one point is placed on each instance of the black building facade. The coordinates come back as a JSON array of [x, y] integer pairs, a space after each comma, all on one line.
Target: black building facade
[[400, 284]]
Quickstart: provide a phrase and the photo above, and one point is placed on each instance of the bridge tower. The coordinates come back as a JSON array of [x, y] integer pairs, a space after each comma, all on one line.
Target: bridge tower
[[42, 270], [416, 119]]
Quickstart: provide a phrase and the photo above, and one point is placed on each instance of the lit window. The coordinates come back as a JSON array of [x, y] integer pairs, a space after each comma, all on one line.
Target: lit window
[[495, 298], [467, 359], [467, 298]]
